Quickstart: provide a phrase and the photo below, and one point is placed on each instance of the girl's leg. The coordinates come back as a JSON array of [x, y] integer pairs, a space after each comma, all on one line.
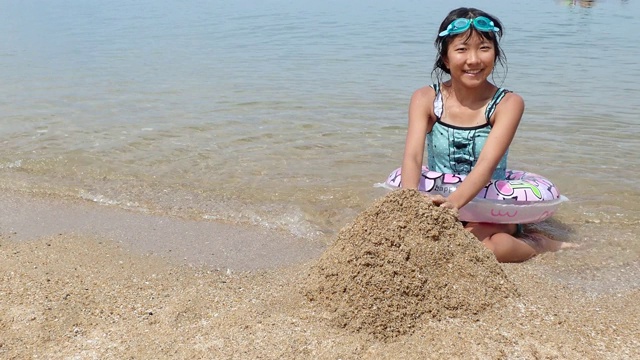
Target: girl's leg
[[497, 238], [543, 244], [508, 248]]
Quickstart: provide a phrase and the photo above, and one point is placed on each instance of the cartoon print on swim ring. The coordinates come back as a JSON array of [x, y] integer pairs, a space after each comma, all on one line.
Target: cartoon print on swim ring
[[521, 198]]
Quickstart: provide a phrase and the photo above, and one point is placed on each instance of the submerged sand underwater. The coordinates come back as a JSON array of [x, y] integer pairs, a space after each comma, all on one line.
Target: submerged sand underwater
[[401, 281]]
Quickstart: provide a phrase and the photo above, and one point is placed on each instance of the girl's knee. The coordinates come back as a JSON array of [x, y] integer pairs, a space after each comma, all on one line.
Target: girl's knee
[[485, 231], [507, 248], [489, 244]]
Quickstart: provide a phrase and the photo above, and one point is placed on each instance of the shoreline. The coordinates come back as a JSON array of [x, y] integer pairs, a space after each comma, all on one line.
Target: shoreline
[[228, 246]]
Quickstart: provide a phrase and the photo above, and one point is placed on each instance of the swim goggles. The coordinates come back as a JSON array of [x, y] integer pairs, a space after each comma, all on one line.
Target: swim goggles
[[461, 25]]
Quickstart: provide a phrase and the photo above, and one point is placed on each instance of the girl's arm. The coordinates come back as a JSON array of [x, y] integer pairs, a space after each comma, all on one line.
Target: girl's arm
[[506, 120], [420, 121]]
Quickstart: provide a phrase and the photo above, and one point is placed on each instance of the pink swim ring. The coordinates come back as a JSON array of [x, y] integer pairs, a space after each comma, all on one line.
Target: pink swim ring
[[521, 198]]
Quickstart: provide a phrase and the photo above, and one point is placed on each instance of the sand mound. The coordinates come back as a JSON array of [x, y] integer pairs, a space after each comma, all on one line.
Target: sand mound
[[401, 260]]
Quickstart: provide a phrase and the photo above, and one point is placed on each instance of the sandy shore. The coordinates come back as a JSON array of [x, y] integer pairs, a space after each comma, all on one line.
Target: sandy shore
[[223, 246], [81, 281]]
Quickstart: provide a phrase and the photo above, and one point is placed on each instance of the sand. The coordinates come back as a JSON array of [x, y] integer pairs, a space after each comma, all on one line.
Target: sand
[[73, 295], [400, 260]]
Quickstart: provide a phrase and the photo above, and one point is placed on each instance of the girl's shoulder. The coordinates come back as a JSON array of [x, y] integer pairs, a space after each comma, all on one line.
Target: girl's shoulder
[[427, 90], [500, 95], [424, 95], [421, 108], [510, 99], [510, 107]]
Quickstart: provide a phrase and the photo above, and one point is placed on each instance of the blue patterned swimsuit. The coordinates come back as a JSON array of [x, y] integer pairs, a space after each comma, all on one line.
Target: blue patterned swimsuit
[[454, 149]]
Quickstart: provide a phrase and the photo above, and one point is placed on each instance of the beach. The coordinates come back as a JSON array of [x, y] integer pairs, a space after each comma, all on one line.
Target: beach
[[69, 294], [177, 186]]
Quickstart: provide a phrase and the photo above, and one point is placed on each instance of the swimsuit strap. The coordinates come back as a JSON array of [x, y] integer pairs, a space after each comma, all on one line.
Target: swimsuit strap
[[497, 97], [438, 104]]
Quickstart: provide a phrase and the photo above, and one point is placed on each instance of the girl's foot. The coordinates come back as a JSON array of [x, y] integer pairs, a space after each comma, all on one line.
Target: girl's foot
[[543, 243]]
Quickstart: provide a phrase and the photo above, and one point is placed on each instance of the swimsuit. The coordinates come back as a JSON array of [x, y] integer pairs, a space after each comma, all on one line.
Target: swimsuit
[[455, 150]]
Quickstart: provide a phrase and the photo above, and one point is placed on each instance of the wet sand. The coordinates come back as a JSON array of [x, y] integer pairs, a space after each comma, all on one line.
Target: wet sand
[[86, 281], [190, 242]]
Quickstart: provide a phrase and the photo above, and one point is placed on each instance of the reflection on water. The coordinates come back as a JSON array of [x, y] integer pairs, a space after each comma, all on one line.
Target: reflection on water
[[584, 3], [581, 3]]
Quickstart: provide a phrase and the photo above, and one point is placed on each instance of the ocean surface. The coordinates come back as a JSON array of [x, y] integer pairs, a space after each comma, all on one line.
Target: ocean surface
[[285, 114]]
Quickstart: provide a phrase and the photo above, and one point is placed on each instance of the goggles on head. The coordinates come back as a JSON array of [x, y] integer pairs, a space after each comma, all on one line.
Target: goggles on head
[[461, 25]]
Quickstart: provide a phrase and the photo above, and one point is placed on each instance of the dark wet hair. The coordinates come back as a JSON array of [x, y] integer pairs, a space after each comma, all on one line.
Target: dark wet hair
[[442, 42]]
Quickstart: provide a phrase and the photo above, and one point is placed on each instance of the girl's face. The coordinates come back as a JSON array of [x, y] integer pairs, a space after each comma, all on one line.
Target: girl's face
[[470, 59]]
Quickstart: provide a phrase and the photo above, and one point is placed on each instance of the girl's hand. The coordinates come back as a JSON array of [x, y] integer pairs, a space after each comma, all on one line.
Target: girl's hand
[[442, 202]]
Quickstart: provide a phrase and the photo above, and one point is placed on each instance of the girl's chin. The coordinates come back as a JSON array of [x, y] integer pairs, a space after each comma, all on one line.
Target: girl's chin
[[473, 82]]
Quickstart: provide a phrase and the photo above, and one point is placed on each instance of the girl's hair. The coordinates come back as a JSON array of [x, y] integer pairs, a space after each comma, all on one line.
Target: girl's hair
[[442, 42]]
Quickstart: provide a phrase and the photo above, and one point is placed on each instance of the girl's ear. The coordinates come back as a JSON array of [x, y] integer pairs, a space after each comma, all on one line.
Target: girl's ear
[[445, 61]]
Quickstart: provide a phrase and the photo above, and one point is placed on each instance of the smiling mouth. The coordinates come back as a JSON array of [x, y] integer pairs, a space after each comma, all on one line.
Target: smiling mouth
[[473, 72]]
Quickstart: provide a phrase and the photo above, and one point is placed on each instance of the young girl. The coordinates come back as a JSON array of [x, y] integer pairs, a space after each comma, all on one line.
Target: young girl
[[469, 123]]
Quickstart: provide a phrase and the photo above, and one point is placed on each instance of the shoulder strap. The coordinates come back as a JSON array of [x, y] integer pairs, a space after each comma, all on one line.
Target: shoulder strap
[[437, 101], [497, 97]]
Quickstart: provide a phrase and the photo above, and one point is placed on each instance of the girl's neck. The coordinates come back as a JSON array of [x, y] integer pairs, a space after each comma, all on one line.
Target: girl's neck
[[466, 95]]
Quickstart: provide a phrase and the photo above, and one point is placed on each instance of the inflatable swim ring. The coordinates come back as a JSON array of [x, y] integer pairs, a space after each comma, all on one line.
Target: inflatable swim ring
[[521, 198]]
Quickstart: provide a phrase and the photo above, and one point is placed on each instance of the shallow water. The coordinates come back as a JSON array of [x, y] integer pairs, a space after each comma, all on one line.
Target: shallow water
[[285, 115]]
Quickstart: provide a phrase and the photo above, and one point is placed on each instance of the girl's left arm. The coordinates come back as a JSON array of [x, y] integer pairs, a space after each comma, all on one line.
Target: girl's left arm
[[506, 120]]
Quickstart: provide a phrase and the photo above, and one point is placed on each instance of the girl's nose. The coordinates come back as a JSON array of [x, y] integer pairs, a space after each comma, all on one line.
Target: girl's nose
[[472, 57]]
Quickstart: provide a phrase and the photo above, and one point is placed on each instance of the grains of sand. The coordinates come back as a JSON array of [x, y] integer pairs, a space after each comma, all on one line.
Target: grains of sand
[[401, 262]]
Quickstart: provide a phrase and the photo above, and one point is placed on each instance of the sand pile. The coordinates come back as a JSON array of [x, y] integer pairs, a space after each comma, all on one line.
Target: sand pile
[[403, 260]]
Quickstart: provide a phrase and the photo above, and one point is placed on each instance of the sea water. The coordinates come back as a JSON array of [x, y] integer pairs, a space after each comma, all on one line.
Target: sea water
[[284, 114]]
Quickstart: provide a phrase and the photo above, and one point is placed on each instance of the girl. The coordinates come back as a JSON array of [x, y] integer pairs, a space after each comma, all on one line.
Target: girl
[[469, 123]]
